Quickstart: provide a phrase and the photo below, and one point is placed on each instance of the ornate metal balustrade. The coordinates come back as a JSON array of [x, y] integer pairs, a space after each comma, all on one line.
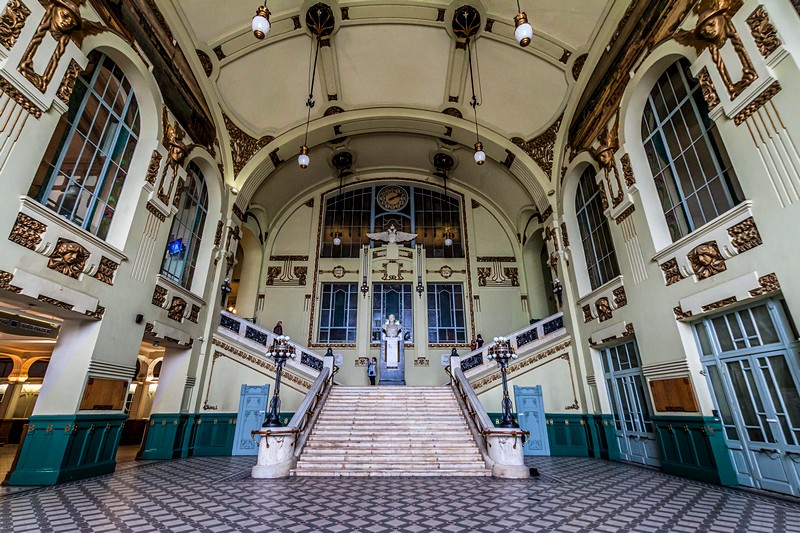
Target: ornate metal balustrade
[[471, 362]]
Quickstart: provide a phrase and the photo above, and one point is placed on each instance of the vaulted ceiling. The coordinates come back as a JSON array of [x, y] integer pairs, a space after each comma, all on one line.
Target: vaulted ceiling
[[396, 65]]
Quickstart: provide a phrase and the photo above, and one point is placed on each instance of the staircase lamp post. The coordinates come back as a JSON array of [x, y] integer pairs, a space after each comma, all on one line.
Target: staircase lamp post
[[281, 351], [502, 352]]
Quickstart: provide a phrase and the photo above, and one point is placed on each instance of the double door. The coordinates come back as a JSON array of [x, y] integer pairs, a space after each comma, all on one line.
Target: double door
[[754, 376], [630, 405]]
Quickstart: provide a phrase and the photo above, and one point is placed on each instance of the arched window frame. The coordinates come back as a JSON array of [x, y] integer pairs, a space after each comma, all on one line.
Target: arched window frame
[[596, 241], [676, 186], [101, 202], [180, 266]]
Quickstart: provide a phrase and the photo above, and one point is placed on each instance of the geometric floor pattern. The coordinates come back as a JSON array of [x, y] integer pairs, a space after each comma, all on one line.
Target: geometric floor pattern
[[216, 494]]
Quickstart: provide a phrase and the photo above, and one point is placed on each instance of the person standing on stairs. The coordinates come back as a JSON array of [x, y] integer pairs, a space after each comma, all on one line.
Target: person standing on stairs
[[372, 370], [278, 329]]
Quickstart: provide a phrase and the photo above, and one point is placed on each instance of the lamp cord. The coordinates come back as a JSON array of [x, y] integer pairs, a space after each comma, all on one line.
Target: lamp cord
[[474, 103], [310, 102]]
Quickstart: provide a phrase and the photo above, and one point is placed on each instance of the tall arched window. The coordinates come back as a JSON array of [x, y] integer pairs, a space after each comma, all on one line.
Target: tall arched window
[[180, 257], [693, 174], [86, 163], [598, 248]]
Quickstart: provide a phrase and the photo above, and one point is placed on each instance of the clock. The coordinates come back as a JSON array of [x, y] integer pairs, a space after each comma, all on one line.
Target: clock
[[392, 198]]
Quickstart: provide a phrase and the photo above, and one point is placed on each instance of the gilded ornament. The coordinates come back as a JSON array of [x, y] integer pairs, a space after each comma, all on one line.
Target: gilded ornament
[[564, 235], [672, 273], [707, 87], [713, 30], [706, 260], [301, 273], [625, 214], [177, 308], [152, 168], [587, 313], [57, 303], [5, 282], [155, 211], [68, 83], [97, 313], [194, 314], [177, 151], [159, 296], [540, 148], [603, 308], [604, 155], [483, 274], [756, 104], [205, 62], [767, 284], [69, 258], [627, 170], [218, 234], [62, 19], [237, 211], [106, 270], [577, 66], [764, 32], [27, 231], [620, 298], [719, 304], [243, 146], [12, 21], [272, 273], [744, 235], [512, 273]]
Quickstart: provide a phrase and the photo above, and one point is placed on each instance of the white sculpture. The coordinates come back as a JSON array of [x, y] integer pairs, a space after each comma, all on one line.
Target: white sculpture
[[392, 327], [392, 236]]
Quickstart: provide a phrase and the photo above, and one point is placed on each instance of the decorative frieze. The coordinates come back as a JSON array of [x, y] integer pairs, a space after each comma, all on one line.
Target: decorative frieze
[[620, 298], [152, 168], [719, 303], [205, 62], [218, 234], [98, 313], [625, 214], [106, 270], [339, 271], [155, 211], [27, 231], [55, 302], [446, 271], [627, 170], [237, 212], [680, 314], [69, 258], [764, 32], [243, 146], [723, 294], [19, 98], [12, 21], [577, 66], [194, 313], [422, 361], [587, 313], [757, 103], [521, 365]]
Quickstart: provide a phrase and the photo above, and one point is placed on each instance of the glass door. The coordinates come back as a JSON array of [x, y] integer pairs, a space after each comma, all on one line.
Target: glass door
[[630, 404], [753, 372]]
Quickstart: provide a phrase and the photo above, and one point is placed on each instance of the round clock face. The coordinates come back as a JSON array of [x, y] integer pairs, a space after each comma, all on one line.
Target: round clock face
[[392, 198]]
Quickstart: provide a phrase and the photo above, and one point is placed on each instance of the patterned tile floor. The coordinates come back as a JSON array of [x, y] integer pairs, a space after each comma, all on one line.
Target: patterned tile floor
[[216, 494]]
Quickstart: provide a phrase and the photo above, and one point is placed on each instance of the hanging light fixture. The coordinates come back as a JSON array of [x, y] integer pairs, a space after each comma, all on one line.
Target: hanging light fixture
[[466, 23], [320, 20], [261, 22], [342, 161], [523, 30]]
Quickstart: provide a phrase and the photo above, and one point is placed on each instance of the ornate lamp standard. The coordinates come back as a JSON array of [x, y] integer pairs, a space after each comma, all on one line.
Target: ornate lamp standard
[[281, 351], [502, 352]]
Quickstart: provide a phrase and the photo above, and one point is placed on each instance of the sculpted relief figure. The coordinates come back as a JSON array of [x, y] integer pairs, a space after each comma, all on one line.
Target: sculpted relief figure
[[392, 236], [713, 29], [177, 151], [706, 260], [392, 327], [63, 20], [604, 155]]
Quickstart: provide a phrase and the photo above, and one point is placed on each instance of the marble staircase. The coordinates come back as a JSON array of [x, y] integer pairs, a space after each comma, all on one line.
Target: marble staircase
[[391, 431]]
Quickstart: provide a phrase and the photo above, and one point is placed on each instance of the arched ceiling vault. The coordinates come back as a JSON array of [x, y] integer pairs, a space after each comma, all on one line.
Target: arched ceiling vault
[[393, 68]]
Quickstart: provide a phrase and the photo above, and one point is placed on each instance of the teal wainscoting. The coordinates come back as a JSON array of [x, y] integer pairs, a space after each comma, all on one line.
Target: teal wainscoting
[[61, 448], [568, 435], [694, 447], [213, 434], [168, 436], [603, 444]]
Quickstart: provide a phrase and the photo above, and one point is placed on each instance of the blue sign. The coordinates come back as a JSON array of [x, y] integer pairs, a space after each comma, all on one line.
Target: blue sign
[[176, 247]]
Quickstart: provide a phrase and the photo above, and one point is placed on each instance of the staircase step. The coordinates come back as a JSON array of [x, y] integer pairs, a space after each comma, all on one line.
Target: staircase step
[[389, 473]]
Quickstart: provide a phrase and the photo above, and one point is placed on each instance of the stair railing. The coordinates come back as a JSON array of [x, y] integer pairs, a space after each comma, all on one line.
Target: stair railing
[[246, 332], [501, 448], [279, 448], [523, 341]]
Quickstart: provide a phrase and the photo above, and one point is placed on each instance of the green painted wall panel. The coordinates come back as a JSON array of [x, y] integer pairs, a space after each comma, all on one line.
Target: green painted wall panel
[[568, 435], [213, 434], [63, 448], [161, 436], [694, 447]]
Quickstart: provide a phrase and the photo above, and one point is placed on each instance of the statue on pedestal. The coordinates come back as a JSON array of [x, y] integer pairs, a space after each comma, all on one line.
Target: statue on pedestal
[[392, 353]]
